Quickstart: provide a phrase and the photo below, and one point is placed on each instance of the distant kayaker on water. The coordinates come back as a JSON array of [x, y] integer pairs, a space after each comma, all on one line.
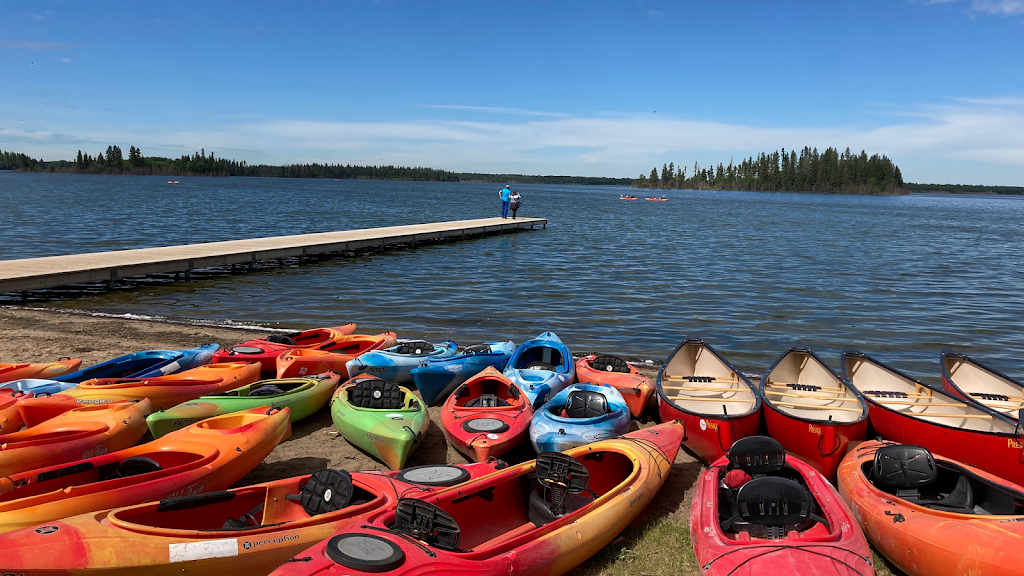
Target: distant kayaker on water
[[514, 202], [505, 195]]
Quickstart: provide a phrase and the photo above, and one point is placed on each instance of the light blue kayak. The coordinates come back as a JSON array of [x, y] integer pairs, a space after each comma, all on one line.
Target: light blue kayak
[[145, 364], [395, 363], [541, 367], [578, 415], [437, 378], [38, 386]]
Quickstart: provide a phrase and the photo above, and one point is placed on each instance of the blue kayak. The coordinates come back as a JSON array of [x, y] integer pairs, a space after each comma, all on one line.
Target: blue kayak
[[38, 386], [437, 378], [541, 367], [578, 415], [145, 364], [395, 363]]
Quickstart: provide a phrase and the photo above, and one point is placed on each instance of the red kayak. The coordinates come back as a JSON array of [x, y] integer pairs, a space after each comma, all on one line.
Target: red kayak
[[965, 377], [486, 416], [266, 350], [811, 410], [758, 511], [909, 412], [716, 403]]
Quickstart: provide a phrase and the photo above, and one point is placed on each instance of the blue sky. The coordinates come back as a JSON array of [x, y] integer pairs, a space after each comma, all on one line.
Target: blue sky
[[594, 88]]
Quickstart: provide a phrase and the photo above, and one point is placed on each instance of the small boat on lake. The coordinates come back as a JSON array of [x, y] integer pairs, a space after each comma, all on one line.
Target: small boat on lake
[[173, 182], [909, 412], [628, 198], [396, 363], [716, 402], [541, 367], [380, 417], [965, 377], [578, 415], [657, 199], [811, 410]]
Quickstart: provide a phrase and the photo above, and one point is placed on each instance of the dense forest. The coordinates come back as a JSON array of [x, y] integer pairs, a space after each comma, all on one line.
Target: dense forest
[[525, 179], [964, 188], [829, 171]]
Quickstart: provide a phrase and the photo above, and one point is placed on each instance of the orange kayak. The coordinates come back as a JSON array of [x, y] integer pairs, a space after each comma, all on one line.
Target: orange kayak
[[332, 357], [75, 435], [44, 371], [204, 457], [266, 350], [615, 372], [933, 516], [10, 415], [163, 391]]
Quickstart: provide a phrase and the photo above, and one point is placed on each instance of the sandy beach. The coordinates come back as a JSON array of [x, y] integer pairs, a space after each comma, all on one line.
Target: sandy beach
[[40, 335]]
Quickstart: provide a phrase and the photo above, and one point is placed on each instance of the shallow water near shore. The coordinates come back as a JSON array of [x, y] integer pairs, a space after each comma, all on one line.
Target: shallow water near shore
[[896, 276]]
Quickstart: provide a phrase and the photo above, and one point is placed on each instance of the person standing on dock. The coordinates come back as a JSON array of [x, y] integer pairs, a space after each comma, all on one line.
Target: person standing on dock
[[505, 195], [514, 202]]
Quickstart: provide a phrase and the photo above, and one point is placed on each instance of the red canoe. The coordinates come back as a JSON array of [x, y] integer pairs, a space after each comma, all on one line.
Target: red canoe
[[757, 512], [266, 350], [486, 416], [716, 403], [615, 372], [906, 411], [967, 378], [811, 411]]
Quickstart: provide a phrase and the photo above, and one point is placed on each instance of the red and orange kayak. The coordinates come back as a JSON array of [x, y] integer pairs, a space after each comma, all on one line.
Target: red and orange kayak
[[10, 416], [43, 371], [933, 516], [716, 402], [266, 350], [758, 511], [163, 391], [332, 357], [615, 372], [486, 416], [246, 530], [205, 457], [78, 434]]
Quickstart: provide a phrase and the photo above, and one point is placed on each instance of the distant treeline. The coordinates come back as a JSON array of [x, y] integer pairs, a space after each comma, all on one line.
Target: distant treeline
[[964, 188], [830, 171], [524, 179]]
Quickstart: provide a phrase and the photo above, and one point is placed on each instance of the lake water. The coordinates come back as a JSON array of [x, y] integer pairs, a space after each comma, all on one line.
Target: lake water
[[898, 277]]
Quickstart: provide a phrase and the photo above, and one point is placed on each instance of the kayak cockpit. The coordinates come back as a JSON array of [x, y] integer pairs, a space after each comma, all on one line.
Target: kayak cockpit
[[270, 388], [540, 358], [322, 497], [488, 393], [912, 474]]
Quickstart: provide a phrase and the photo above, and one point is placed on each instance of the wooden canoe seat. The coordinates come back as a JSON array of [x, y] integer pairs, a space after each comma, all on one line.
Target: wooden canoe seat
[[709, 389], [707, 379]]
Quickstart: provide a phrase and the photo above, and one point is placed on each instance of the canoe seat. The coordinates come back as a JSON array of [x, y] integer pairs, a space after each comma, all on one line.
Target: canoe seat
[[610, 364], [586, 404], [487, 401], [757, 455], [477, 349], [417, 347], [905, 469], [376, 394], [771, 506], [994, 397], [561, 482], [427, 523], [326, 491], [886, 393]]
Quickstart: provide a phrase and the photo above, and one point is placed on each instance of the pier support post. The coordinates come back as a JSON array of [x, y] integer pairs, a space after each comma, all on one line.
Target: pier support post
[[24, 295], [113, 279], [188, 273]]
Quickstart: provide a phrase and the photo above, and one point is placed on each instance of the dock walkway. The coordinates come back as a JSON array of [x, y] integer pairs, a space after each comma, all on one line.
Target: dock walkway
[[55, 271]]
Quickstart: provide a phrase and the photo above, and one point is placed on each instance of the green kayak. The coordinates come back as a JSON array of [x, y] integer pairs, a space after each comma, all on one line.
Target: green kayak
[[380, 417], [303, 395]]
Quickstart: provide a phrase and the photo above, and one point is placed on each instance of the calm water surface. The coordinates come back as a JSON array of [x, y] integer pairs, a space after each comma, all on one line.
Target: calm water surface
[[896, 276]]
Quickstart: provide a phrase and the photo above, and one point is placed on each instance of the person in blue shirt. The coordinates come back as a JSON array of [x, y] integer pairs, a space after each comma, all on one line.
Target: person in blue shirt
[[505, 195]]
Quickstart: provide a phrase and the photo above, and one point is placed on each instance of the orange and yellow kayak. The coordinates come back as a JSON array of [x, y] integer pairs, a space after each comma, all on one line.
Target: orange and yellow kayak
[[163, 391], [75, 435], [204, 457], [10, 415], [44, 371], [332, 357]]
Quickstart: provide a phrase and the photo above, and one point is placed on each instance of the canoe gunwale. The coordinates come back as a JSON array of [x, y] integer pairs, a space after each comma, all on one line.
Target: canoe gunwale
[[805, 419]]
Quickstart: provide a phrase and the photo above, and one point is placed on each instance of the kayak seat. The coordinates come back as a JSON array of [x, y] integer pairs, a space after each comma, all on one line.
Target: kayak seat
[[268, 390], [427, 523], [281, 339], [610, 364], [325, 491], [376, 394], [418, 347], [905, 470], [757, 455], [487, 401], [540, 366], [586, 404], [561, 481], [477, 349], [138, 465], [770, 507]]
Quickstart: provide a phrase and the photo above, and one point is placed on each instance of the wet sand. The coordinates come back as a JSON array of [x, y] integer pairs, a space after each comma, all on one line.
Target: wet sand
[[39, 335]]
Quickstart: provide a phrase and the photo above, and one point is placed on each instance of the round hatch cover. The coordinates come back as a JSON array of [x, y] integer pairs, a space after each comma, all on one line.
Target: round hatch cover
[[482, 425], [365, 552], [246, 350], [431, 475]]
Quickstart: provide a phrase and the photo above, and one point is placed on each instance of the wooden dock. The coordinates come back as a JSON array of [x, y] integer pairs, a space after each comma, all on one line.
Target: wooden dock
[[55, 271]]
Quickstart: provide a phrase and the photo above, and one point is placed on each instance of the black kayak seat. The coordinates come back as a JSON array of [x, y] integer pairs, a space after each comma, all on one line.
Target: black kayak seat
[[610, 364], [904, 470], [417, 347], [771, 506], [376, 394], [486, 401], [327, 490], [265, 390], [757, 455], [561, 482], [477, 349], [427, 523], [281, 339], [586, 404]]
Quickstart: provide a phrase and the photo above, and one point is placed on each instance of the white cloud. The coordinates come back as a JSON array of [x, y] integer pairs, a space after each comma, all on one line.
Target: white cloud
[[996, 7], [31, 45], [66, 60], [491, 109], [34, 16], [655, 13]]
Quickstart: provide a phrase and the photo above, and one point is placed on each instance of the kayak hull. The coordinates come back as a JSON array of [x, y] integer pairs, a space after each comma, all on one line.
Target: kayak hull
[[634, 387], [507, 425], [389, 435], [44, 370], [392, 366], [331, 358], [266, 352], [145, 364], [439, 377], [541, 385], [550, 432]]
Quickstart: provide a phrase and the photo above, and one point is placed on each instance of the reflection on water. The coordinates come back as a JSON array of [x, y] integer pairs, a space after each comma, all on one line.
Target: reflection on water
[[753, 272]]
